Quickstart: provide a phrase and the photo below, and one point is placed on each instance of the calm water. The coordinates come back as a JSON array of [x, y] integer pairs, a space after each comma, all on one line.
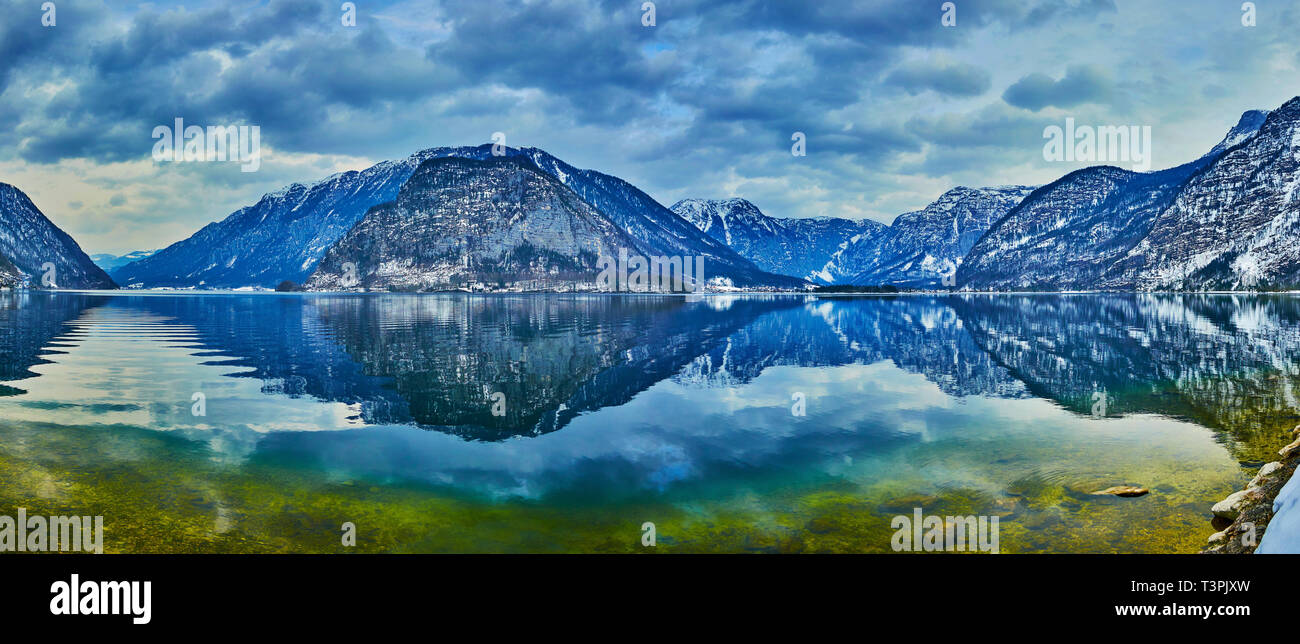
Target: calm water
[[379, 410]]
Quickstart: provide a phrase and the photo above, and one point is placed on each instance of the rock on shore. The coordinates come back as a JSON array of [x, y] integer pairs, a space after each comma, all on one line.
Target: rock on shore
[[1251, 510]]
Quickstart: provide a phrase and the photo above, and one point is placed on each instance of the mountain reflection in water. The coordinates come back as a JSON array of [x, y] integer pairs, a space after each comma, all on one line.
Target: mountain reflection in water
[[626, 399]]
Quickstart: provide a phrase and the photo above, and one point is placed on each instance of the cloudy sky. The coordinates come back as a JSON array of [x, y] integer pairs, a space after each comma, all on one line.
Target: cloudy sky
[[896, 107]]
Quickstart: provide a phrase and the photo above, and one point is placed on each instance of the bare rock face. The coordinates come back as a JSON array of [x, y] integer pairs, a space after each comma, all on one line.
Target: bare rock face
[[459, 222], [1263, 474]]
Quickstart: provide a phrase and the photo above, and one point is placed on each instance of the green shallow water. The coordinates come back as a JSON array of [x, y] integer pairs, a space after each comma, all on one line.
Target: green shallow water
[[377, 410]]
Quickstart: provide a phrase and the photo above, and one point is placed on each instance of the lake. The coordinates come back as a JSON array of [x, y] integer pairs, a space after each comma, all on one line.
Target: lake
[[260, 422]]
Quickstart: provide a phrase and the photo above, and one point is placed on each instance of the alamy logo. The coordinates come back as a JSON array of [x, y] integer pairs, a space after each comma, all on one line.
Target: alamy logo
[[193, 143], [349, 278], [637, 274], [51, 534], [920, 533], [1099, 404], [1103, 144], [76, 597], [948, 273]]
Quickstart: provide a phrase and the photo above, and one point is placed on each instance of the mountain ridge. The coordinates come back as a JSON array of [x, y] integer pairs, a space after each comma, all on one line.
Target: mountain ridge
[[30, 244], [1080, 232], [924, 248], [284, 235], [450, 226], [799, 247]]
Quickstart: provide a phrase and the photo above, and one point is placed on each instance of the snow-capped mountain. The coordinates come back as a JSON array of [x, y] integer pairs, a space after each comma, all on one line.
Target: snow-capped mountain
[[796, 247], [656, 229], [110, 262], [456, 221], [1235, 225], [285, 234], [280, 237], [1096, 228], [1247, 126], [924, 248], [31, 244]]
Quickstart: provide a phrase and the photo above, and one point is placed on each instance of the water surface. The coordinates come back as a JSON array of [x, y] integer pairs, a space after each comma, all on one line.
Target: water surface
[[612, 411]]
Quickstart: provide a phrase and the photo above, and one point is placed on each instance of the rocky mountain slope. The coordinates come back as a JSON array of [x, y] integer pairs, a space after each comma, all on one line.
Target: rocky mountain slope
[[457, 222], [924, 247], [280, 237], [10, 276], [796, 247], [285, 234], [1109, 228], [29, 241], [656, 229], [1235, 225]]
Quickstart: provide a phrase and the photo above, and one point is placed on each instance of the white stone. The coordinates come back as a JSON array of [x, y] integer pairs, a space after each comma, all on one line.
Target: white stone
[[1230, 507]]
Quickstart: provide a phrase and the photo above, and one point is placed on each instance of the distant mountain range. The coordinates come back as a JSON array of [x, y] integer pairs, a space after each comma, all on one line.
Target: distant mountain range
[[31, 247], [1229, 220], [524, 219], [923, 249], [796, 247], [110, 262]]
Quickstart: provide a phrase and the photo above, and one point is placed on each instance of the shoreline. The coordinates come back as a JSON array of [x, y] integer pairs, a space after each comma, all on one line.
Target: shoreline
[[740, 292], [1242, 518], [1252, 509]]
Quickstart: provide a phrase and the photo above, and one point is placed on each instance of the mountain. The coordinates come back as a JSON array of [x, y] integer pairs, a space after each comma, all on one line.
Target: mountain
[[1083, 230], [29, 241], [925, 246], [458, 221], [285, 234], [795, 247], [656, 229], [280, 237], [110, 262], [1235, 225]]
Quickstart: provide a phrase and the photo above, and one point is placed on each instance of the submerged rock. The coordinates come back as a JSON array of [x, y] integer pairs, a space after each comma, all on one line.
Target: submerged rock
[[1123, 490]]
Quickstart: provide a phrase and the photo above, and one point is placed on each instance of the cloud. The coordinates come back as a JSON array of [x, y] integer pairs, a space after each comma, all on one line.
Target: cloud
[[1046, 13], [956, 79], [896, 107], [1081, 84]]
